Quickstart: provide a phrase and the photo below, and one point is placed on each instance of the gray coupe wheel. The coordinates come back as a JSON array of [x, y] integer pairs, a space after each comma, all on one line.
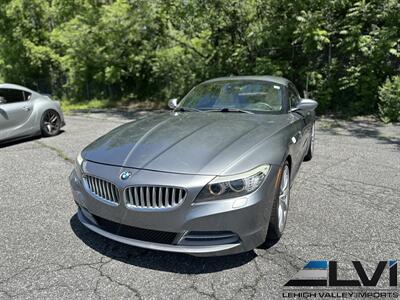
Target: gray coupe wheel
[[280, 207], [51, 123]]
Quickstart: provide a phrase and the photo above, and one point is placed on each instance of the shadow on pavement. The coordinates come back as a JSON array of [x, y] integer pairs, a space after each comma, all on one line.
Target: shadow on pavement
[[18, 141], [158, 260], [364, 128]]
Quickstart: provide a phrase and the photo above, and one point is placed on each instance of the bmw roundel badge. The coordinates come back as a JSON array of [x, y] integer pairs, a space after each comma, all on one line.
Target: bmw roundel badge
[[125, 175]]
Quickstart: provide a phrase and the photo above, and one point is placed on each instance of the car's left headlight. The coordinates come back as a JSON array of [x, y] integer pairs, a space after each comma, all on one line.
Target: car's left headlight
[[78, 163], [222, 187]]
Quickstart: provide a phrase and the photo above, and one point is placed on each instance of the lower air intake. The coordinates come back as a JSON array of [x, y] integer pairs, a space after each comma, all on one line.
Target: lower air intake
[[141, 234]]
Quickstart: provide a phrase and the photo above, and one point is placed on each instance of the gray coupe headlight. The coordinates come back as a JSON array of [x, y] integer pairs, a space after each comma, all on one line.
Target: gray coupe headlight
[[222, 187]]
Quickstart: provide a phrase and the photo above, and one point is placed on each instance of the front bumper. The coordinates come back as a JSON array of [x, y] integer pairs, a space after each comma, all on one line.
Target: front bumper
[[243, 222], [194, 250]]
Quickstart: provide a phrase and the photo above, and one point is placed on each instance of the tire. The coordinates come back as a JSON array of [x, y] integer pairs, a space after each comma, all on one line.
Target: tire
[[50, 123], [280, 207], [310, 151]]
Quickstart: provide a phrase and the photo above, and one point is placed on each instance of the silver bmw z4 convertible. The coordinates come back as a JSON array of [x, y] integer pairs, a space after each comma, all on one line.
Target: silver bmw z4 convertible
[[210, 177]]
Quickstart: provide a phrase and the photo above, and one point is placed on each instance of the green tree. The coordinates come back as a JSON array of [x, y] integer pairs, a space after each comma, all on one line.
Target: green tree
[[337, 51]]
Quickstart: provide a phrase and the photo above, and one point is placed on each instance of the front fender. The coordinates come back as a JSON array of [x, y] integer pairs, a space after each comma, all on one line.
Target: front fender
[[273, 151], [42, 104]]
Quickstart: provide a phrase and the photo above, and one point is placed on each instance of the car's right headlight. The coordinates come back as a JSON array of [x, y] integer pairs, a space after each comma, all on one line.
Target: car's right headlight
[[222, 187]]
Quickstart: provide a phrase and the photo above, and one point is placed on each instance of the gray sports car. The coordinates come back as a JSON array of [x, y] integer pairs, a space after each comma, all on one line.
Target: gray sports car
[[25, 113], [211, 177]]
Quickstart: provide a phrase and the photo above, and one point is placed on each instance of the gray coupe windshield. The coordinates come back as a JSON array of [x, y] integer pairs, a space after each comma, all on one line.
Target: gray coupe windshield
[[248, 95]]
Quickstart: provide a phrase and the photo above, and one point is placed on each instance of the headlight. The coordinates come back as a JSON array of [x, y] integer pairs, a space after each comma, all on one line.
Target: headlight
[[223, 187], [78, 163]]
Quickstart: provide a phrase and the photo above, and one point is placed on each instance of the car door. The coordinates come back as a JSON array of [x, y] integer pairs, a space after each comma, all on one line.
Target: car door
[[15, 110], [308, 122], [299, 139]]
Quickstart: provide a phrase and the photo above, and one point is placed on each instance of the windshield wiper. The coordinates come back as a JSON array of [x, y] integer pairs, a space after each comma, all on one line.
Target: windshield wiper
[[188, 109], [227, 109]]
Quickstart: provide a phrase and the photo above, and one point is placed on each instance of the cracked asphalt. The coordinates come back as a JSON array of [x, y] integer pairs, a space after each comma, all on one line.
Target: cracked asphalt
[[344, 206]]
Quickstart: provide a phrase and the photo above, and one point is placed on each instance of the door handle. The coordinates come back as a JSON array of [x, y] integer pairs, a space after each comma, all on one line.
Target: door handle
[[26, 108]]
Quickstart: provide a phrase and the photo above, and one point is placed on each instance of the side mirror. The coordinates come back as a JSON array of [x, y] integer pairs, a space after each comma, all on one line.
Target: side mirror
[[173, 103], [306, 105], [2, 100]]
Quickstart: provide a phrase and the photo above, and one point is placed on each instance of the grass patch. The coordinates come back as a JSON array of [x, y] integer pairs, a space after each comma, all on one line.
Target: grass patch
[[67, 105], [59, 152], [70, 106], [327, 123]]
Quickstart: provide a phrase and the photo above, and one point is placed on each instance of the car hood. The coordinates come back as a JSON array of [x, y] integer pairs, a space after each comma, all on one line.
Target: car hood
[[208, 143]]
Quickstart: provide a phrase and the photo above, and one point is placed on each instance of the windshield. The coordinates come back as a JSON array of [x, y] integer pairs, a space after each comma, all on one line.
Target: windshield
[[249, 95]]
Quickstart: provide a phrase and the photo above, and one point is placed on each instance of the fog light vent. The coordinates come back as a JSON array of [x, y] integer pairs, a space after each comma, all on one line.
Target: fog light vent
[[204, 238]]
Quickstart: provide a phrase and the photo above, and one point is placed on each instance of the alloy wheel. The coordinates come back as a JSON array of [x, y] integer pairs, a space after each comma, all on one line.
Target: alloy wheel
[[284, 194], [312, 138], [51, 122]]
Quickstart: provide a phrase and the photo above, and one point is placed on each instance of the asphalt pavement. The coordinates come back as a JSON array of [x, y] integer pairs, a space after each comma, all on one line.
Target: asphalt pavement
[[344, 206]]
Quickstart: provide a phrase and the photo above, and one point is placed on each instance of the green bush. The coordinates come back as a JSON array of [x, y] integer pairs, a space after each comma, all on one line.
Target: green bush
[[389, 100]]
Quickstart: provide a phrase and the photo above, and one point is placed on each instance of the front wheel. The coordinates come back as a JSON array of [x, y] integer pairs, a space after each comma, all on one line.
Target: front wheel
[[310, 151], [280, 207], [50, 124]]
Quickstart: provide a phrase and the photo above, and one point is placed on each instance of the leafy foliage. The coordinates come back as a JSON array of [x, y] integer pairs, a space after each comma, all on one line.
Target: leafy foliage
[[337, 51], [389, 96]]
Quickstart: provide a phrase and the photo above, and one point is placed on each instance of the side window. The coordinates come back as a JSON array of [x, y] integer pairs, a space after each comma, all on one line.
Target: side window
[[13, 96], [294, 97]]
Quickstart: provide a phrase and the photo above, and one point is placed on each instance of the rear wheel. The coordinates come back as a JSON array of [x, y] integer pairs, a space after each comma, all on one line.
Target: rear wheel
[[310, 152], [280, 207], [50, 124]]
